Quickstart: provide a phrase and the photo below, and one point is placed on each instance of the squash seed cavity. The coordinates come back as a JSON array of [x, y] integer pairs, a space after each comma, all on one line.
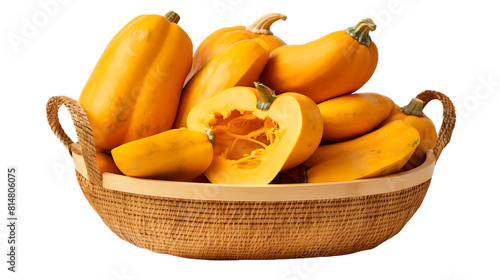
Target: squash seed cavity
[[243, 137]]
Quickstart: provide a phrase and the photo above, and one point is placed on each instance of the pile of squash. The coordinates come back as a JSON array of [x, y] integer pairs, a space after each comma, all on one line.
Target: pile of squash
[[247, 108]]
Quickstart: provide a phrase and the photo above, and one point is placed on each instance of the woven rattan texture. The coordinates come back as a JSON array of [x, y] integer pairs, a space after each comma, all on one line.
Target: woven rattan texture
[[254, 230], [83, 131], [449, 117]]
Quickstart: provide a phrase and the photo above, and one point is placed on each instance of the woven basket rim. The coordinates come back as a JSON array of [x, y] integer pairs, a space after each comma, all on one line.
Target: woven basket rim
[[270, 192]]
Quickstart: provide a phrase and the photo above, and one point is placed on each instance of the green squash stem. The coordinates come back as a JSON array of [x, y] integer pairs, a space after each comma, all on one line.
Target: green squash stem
[[263, 24], [173, 17], [267, 96], [415, 108], [361, 31]]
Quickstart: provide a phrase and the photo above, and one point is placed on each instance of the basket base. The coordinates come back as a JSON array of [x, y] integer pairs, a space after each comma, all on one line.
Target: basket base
[[227, 230]]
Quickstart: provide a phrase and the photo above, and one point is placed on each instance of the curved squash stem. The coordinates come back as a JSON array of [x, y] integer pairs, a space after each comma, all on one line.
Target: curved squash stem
[[360, 32], [263, 24], [173, 17], [415, 107], [267, 96]]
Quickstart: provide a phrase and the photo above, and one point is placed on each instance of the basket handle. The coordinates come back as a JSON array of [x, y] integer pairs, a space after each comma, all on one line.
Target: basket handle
[[449, 118], [83, 131]]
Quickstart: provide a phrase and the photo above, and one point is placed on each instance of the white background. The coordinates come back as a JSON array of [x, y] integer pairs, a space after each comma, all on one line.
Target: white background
[[449, 46]]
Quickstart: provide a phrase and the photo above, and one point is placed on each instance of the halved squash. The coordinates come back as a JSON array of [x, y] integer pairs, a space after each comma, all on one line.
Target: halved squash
[[257, 138]]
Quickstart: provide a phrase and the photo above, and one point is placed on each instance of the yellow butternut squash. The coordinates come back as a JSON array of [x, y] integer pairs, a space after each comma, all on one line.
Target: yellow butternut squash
[[135, 87], [349, 116], [176, 154], [413, 114], [380, 152], [223, 38], [338, 63]]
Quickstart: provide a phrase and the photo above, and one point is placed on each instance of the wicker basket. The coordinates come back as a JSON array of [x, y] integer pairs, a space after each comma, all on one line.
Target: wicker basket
[[209, 221]]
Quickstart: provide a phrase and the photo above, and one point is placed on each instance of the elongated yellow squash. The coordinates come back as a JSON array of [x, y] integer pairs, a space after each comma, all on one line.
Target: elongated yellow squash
[[223, 38], [338, 63], [413, 114], [380, 152], [135, 87], [176, 154], [349, 116]]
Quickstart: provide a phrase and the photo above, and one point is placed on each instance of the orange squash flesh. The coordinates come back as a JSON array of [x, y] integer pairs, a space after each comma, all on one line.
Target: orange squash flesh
[[240, 134], [135, 87], [253, 145]]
